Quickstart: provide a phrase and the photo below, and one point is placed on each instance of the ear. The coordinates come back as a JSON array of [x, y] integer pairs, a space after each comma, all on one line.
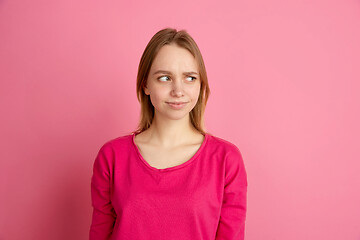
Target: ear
[[146, 90]]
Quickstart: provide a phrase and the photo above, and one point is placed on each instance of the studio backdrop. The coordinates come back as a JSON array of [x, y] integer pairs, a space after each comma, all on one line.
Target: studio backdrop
[[284, 80]]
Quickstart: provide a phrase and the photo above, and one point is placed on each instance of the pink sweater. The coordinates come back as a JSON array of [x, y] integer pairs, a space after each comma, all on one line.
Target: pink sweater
[[201, 199]]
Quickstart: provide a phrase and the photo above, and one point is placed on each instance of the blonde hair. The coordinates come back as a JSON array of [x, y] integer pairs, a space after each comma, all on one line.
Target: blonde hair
[[184, 40]]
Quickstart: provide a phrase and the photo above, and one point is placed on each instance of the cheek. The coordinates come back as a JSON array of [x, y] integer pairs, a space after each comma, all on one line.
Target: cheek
[[195, 92], [157, 96]]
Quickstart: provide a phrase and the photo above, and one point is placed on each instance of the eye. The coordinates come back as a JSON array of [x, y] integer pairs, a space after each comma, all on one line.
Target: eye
[[163, 78], [193, 78]]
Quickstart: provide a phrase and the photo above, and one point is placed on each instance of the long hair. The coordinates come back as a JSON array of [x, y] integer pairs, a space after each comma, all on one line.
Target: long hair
[[184, 40]]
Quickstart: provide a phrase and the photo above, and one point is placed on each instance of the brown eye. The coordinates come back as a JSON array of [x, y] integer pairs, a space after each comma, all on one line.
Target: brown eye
[[193, 78], [163, 78]]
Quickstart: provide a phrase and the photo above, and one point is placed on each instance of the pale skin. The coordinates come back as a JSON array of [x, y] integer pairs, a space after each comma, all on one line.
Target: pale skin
[[171, 139]]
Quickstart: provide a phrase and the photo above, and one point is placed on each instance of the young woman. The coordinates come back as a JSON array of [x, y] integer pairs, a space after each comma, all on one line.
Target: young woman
[[169, 179]]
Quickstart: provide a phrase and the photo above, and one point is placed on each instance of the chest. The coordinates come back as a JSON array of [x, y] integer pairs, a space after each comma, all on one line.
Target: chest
[[168, 204], [165, 158]]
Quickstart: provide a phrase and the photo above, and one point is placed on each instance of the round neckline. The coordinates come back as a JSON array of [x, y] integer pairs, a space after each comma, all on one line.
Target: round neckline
[[169, 168]]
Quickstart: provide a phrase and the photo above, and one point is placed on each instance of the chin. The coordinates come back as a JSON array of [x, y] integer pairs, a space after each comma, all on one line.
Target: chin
[[176, 115]]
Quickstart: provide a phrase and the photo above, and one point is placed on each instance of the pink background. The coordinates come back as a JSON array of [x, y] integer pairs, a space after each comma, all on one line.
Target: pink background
[[284, 77]]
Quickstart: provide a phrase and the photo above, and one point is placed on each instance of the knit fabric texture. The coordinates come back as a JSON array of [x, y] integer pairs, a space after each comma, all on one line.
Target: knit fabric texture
[[202, 199]]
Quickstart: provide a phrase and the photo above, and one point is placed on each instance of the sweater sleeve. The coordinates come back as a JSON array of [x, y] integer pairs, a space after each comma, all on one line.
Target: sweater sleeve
[[104, 216], [233, 211]]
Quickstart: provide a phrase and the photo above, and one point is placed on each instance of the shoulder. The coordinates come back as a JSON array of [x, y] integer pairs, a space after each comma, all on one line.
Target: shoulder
[[119, 141], [115, 144], [227, 151], [222, 145], [232, 159], [110, 150]]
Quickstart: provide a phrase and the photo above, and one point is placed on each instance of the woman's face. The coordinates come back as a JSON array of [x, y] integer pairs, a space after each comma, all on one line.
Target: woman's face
[[173, 82]]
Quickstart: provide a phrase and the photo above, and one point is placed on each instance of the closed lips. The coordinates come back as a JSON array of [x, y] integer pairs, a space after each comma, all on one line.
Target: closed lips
[[177, 102]]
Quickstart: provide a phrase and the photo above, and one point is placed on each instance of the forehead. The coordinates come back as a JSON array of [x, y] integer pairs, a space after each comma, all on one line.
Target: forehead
[[173, 57]]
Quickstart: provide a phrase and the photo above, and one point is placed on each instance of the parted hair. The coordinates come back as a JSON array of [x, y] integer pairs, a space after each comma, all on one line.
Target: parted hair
[[182, 39]]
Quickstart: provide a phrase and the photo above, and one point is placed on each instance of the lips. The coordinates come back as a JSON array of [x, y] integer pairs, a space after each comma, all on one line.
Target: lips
[[177, 103]]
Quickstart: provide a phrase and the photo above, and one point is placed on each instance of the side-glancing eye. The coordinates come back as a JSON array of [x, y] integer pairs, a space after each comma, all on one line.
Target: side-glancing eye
[[193, 78], [163, 78]]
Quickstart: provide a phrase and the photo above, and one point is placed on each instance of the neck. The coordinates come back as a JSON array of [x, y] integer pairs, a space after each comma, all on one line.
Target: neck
[[170, 133]]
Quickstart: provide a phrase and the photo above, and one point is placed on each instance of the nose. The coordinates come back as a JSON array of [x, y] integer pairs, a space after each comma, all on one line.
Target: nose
[[177, 89]]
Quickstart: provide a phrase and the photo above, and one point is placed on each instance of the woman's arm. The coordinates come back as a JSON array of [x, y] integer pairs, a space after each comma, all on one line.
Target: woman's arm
[[233, 212], [104, 216]]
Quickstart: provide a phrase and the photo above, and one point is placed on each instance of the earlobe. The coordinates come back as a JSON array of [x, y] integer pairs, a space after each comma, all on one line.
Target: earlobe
[[146, 91], [144, 86]]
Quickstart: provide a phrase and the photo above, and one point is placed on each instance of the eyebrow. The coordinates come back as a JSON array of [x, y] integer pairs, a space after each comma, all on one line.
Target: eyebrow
[[167, 72]]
